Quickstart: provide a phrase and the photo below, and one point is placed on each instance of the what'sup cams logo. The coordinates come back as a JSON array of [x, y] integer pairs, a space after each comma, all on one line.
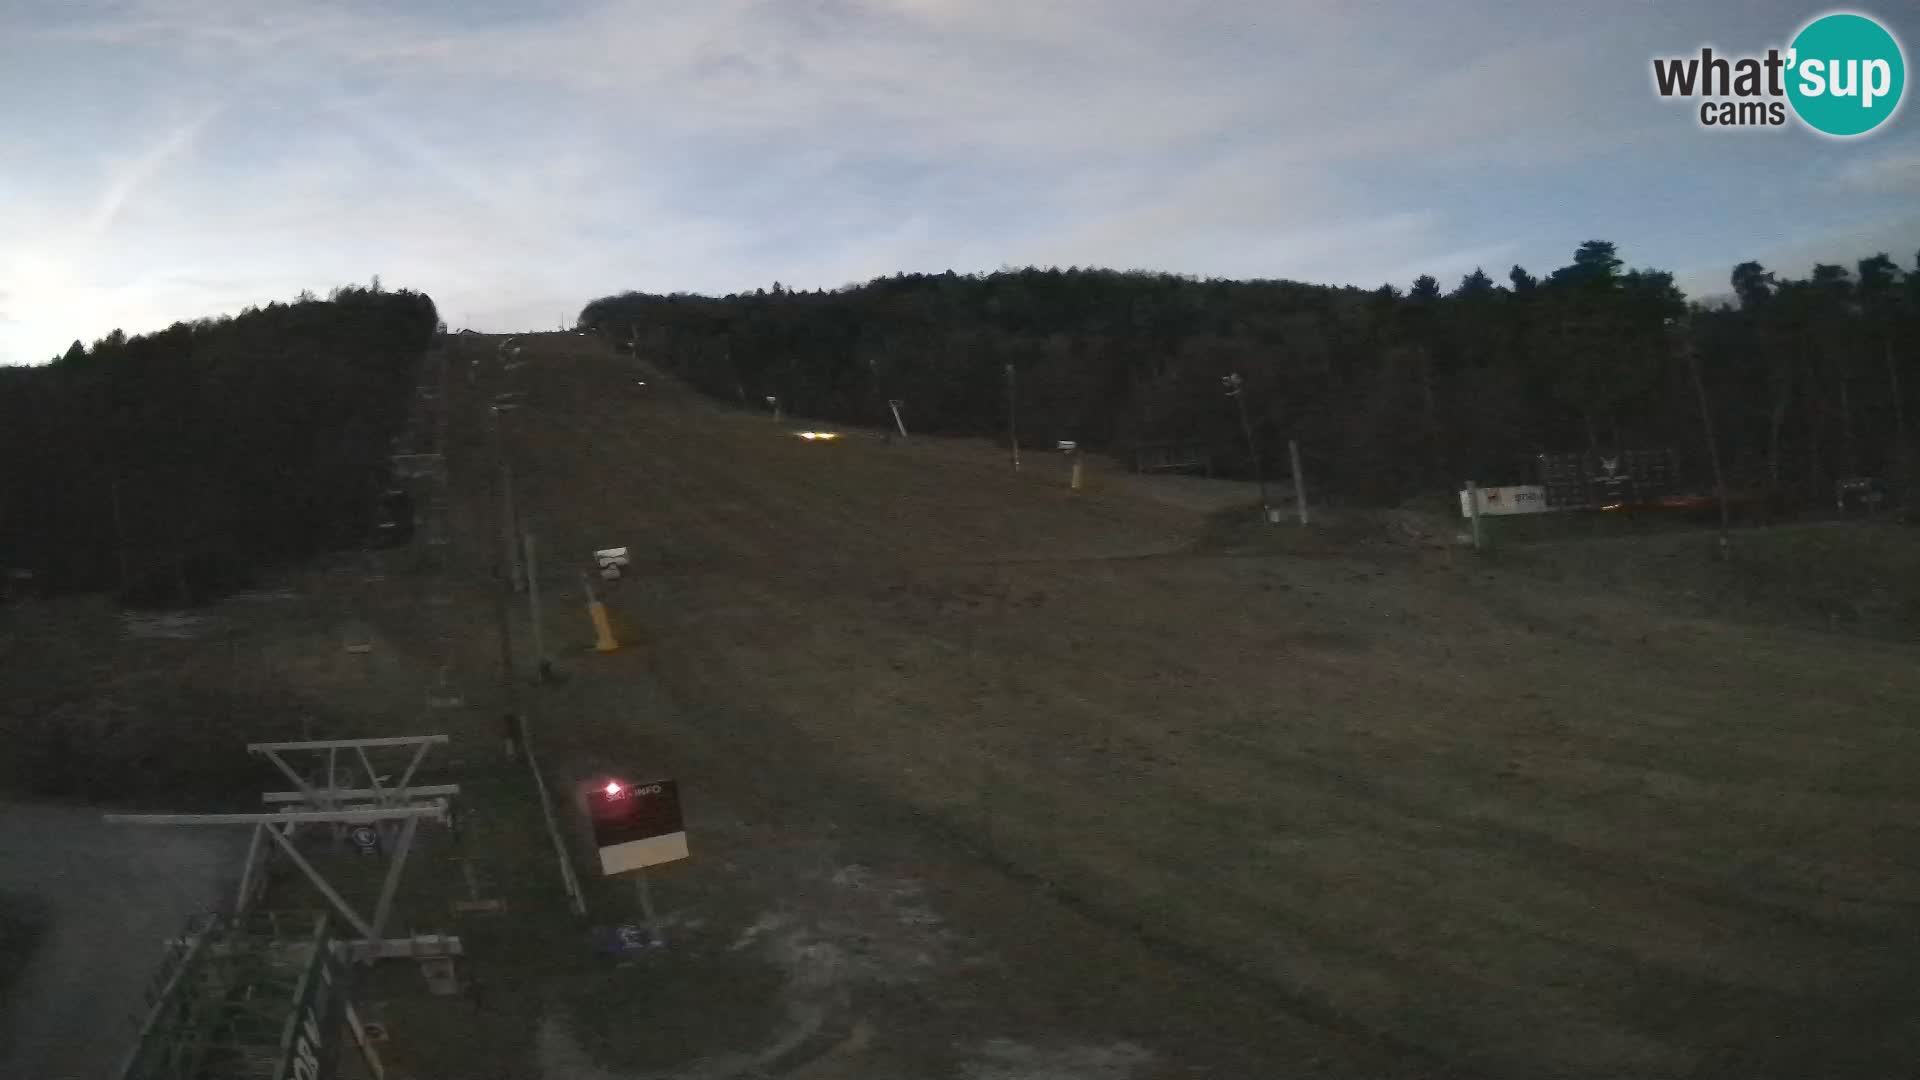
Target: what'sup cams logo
[[1842, 75]]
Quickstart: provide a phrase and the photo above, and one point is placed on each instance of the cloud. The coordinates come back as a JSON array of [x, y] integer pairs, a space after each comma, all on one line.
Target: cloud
[[1896, 232], [1449, 266], [1896, 172], [128, 180], [515, 164]]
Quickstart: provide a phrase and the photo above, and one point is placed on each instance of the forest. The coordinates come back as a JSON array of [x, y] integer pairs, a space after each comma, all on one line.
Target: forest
[[168, 466], [1389, 392]]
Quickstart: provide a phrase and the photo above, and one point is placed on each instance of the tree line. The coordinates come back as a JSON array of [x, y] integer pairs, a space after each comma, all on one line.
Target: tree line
[[1390, 392], [167, 465]]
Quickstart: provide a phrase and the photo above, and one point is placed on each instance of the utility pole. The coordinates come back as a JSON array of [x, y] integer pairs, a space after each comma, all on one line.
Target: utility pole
[[1236, 389], [505, 400], [543, 664], [1473, 511], [180, 562], [1713, 444], [511, 528], [1013, 427], [1903, 460], [1299, 479], [120, 536]]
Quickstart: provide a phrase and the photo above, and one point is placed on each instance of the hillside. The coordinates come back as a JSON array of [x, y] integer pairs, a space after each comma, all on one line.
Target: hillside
[[1421, 806], [1389, 392], [169, 467], [988, 777]]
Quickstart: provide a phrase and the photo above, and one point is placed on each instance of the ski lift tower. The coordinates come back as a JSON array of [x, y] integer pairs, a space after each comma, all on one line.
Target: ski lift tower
[[259, 996], [379, 817]]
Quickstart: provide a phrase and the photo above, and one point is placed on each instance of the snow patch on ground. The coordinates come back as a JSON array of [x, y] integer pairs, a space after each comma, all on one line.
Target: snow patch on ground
[[858, 926], [176, 625], [838, 928], [1006, 1059]]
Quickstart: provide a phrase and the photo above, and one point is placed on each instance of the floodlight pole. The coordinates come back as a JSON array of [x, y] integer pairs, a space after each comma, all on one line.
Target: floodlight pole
[[1713, 444], [1473, 511], [1299, 479], [501, 615], [1236, 389], [1013, 427], [119, 535], [511, 539], [542, 663]]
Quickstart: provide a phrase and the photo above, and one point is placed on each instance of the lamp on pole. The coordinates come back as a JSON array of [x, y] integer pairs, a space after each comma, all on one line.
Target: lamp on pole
[[1236, 389]]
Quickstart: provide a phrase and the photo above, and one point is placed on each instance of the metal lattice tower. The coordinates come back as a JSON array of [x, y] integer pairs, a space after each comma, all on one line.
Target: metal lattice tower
[[225, 1002]]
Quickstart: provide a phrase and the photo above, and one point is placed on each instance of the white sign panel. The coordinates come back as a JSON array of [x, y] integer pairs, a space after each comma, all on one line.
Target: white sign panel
[[637, 825], [1499, 501], [639, 854]]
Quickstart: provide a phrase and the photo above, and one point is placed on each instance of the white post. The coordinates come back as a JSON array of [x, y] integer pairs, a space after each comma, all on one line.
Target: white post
[[540, 662], [1013, 426], [568, 880], [646, 907], [1299, 480], [1473, 511], [512, 523]]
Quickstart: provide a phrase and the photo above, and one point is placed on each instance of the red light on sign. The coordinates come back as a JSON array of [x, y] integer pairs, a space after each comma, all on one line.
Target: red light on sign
[[635, 823]]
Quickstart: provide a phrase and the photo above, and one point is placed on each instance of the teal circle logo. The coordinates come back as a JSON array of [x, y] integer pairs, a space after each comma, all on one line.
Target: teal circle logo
[[1846, 74]]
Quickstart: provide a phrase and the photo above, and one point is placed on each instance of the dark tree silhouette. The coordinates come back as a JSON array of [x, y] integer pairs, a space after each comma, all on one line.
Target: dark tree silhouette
[[1390, 393], [207, 448]]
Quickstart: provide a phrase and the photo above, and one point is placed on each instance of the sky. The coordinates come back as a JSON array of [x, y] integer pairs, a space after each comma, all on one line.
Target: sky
[[164, 160]]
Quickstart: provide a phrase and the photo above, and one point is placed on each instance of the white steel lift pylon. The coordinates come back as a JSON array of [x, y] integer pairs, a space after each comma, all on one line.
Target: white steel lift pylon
[[395, 809], [328, 794]]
